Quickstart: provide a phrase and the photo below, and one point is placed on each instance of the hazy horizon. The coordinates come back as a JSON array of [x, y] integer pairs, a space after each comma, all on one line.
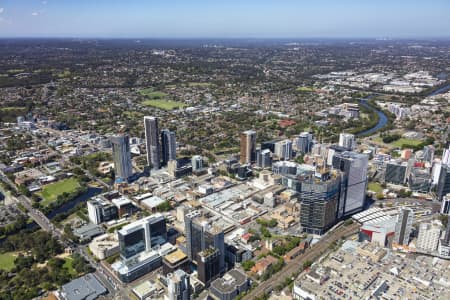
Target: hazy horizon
[[202, 19]]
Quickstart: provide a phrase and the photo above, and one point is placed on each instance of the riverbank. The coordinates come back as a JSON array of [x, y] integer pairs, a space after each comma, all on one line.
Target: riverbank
[[383, 120], [382, 117], [91, 191]]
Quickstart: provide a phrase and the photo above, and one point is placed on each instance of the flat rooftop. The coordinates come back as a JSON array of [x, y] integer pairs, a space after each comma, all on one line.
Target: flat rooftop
[[138, 224], [229, 281], [144, 289], [87, 287], [347, 273], [175, 256]]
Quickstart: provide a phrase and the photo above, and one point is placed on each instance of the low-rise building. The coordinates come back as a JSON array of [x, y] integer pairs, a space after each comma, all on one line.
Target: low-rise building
[[233, 283], [371, 251], [88, 232], [104, 246], [263, 264], [83, 288], [145, 290], [138, 265]]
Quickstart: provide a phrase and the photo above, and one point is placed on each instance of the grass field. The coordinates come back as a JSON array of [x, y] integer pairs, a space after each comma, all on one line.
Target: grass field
[[68, 265], [152, 95], [304, 89], [200, 84], [375, 187], [12, 108], [405, 142], [51, 191], [164, 104], [14, 71], [400, 143], [158, 99], [64, 74], [133, 114], [7, 260]]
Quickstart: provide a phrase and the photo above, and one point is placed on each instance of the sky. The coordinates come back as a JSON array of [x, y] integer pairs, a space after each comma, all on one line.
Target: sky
[[225, 18]]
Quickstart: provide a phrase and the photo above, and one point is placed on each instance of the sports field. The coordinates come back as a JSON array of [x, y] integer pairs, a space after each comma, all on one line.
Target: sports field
[[51, 191], [405, 143], [200, 84], [164, 104], [304, 89], [400, 143]]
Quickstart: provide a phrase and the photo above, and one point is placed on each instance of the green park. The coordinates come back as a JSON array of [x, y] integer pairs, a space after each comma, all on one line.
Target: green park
[[7, 260], [50, 192], [163, 104], [158, 99]]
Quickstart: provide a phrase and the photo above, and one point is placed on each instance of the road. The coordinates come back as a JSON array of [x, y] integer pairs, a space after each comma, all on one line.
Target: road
[[35, 214], [39, 217], [310, 254], [67, 158], [46, 225], [101, 272]]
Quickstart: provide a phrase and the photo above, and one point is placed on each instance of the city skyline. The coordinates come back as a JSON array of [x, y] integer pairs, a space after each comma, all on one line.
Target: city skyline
[[231, 150], [231, 19]]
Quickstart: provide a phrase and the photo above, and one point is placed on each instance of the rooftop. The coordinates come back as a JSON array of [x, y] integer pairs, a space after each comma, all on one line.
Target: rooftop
[[135, 262], [175, 256], [229, 281], [144, 288], [88, 231], [152, 202], [87, 287], [138, 224]]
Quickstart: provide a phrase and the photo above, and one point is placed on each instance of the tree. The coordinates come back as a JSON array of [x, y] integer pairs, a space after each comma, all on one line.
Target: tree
[[299, 159], [55, 263], [307, 264], [24, 190], [79, 264], [444, 220], [23, 262], [380, 195], [165, 206], [265, 232], [247, 265]]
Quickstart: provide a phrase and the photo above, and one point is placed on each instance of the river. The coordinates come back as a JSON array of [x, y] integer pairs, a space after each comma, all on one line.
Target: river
[[92, 191], [440, 90], [383, 119]]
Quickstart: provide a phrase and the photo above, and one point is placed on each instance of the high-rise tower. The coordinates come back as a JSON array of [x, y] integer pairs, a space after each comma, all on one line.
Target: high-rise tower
[[354, 181], [168, 146], [121, 156], [347, 140], [403, 227], [201, 235], [152, 142], [178, 286], [142, 235], [248, 147]]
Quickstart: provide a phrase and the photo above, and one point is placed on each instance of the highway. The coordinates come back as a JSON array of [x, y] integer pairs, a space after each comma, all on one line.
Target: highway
[[311, 254]]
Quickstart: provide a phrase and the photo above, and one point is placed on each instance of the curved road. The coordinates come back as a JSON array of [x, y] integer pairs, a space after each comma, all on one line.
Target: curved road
[[311, 254]]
